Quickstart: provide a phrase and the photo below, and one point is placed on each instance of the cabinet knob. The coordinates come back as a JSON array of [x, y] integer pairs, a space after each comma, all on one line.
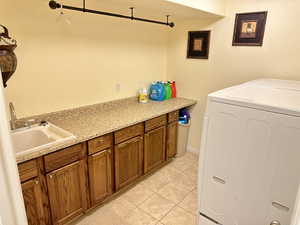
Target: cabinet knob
[[36, 182], [50, 176], [275, 222]]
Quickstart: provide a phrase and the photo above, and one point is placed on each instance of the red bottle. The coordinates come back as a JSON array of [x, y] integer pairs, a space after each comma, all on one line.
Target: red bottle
[[173, 87]]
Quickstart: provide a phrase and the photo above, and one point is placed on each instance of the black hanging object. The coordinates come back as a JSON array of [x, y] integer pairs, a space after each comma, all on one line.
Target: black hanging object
[[54, 5], [8, 59], [131, 9]]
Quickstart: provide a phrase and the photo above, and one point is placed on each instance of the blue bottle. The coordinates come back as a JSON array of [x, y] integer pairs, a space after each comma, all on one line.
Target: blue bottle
[[157, 91]]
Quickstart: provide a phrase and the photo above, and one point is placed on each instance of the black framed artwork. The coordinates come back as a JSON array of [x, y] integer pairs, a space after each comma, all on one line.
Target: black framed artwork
[[198, 44], [249, 29]]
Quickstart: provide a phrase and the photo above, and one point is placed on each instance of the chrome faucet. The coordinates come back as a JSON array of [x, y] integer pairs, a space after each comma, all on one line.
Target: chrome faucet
[[13, 116]]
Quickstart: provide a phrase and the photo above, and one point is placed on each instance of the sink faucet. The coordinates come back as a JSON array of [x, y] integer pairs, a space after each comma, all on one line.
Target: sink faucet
[[13, 116]]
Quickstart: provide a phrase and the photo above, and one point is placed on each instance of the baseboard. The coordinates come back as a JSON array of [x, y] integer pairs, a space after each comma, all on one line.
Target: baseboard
[[192, 149]]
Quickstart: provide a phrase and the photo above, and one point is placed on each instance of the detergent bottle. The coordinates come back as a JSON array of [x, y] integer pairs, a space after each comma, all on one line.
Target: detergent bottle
[[163, 91], [157, 91], [167, 90], [173, 87]]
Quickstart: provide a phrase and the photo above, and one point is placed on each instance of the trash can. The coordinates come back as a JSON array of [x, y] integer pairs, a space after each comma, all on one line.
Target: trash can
[[182, 138]]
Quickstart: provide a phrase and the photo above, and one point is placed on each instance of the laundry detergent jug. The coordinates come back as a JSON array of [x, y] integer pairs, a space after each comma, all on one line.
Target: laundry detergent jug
[[157, 91]]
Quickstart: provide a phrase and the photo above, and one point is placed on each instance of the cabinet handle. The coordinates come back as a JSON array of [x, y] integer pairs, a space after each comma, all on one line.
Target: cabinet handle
[[275, 222], [218, 179], [280, 206]]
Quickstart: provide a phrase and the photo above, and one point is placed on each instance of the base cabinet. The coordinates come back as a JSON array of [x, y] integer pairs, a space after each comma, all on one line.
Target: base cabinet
[[154, 148], [172, 139], [67, 192], [100, 176], [128, 161], [62, 185], [32, 194]]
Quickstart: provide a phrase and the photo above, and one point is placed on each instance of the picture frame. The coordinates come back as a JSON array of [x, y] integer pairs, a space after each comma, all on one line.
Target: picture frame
[[198, 44], [249, 29]]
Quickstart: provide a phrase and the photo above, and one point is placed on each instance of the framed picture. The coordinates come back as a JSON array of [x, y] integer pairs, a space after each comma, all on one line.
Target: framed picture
[[249, 29], [198, 44]]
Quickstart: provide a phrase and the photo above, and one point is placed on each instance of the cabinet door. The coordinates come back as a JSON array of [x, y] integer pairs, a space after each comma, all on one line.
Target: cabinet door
[[154, 148], [32, 195], [67, 192], [172, 140], [128, 161], [100, 176]]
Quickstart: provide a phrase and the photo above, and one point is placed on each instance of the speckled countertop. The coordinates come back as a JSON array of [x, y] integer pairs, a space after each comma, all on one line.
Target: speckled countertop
[[95, 120]]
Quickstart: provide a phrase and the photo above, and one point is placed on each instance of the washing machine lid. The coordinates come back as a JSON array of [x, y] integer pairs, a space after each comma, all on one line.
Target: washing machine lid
[[281, 96]]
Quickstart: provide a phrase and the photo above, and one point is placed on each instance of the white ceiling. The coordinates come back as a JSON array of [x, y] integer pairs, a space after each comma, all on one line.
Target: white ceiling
[[152, 9]]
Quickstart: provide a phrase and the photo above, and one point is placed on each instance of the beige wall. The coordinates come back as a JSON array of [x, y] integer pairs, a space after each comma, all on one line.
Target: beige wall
[[228, 65], [63, 66]]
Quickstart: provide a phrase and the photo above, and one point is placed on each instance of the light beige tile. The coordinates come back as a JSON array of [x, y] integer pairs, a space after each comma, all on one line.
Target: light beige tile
[[138, 194], [156, 182], [178, 216], [139, 217], [190, 202], [120, 206], [159, 223], [191, 156], [169, 173], [173, 193], [185, 181], [157, 206], [107, 216], [83, 221], [181, 163], [191, 171]]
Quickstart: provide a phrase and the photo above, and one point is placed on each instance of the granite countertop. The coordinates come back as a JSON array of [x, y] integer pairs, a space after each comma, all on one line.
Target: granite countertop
[[95, 120]]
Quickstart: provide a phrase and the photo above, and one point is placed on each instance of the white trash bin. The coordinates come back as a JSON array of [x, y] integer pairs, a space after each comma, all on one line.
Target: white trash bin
[[182, 138]]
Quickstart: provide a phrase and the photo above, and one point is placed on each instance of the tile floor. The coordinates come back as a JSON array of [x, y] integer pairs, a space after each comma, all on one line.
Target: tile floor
[[168, 197]]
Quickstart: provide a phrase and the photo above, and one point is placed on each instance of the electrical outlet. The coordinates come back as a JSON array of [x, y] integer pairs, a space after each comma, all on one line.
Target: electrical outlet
[[118, 87]]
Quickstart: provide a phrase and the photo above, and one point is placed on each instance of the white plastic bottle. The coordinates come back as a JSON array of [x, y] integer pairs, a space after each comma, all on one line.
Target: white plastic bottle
[[143, 95]]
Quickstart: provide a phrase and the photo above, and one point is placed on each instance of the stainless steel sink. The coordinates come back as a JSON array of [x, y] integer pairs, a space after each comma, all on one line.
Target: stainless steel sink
[[39, 136]]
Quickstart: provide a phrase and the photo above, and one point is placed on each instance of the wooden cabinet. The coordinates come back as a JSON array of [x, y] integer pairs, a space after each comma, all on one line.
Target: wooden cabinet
[[67, 182], [154, 148], [172, 139], [32, 194], [128, 161], [100, 176], [67, 192]]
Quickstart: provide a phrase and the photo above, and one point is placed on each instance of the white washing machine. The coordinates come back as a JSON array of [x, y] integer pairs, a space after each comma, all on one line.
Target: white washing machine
[[249, 168]]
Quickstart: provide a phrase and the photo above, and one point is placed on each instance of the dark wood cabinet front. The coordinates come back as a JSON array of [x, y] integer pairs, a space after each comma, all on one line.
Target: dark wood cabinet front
[[154, 148], [172, 140], [128, 161], [67, 192], [100, 176], [32, 194]]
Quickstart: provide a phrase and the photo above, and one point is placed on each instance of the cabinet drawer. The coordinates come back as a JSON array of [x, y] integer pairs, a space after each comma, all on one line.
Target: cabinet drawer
[[155, 123], [129, 132], [100, 143], [64, 157], [173, 116], [28, 170]]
